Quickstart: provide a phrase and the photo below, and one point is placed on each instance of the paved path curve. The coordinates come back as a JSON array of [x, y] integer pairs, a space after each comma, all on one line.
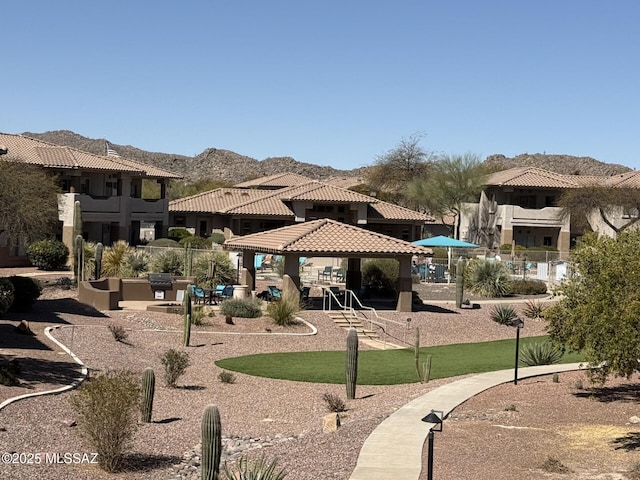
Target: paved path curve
[[394, 448]]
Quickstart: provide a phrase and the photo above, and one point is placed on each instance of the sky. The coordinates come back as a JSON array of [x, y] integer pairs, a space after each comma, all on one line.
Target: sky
[[332, 82]]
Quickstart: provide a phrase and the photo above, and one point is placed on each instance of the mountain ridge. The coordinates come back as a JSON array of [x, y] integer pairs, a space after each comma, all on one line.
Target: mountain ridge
[[234, 168]]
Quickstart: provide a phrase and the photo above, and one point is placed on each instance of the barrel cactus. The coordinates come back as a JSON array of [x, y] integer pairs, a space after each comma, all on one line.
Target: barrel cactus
[[148, 389], [211, 443], [352, 363]]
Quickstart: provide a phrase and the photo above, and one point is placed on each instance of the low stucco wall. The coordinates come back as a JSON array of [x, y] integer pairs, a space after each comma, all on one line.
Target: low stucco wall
[[105, 293]]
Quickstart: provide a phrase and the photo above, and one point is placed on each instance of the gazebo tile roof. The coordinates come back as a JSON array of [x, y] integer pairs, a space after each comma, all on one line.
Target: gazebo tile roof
[[324, 236]]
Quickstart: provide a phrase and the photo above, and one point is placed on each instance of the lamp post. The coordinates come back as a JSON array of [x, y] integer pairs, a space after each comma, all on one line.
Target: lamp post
[[436, 417], [518, 323]]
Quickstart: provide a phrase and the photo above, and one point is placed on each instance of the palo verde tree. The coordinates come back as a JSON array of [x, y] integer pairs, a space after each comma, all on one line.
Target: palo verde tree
[[599, 311], [453, 181], [392, 171], [28, 201]]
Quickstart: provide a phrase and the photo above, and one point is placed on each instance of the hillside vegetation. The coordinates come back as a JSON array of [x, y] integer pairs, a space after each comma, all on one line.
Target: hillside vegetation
[[233, 168]]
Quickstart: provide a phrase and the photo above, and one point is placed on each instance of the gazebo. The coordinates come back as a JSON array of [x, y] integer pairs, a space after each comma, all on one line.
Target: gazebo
[[327, 238]]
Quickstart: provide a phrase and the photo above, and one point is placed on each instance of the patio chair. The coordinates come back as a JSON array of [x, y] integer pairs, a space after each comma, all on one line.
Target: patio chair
[[326, 273], [339, 275], [198, 295]]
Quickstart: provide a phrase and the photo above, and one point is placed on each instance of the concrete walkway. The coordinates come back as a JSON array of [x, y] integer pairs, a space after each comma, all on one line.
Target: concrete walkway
[[394, 448]]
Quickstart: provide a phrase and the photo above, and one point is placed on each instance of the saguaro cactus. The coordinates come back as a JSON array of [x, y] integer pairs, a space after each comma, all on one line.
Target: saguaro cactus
[[352, 363], [148, 389], [188, 260], [460, 282], [186, 307], [211, 443], [78, 257], [98, 260]]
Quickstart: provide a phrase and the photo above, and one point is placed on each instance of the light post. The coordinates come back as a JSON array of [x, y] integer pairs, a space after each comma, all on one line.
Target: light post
[[437, 418], [518, 323]]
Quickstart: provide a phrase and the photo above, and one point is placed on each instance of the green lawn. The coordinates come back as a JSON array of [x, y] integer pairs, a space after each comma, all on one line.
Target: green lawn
[[383, 367]]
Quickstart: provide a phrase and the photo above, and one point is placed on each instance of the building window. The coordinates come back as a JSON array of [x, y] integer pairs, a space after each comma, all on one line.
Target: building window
[[526, 201], [550, 201], [180, 221], [547, 241], [340, 208]]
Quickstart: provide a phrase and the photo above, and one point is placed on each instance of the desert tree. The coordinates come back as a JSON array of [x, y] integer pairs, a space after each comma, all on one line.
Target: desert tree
[[28, 202], [598, 312], [454, 181], [616, 207], [393, 170]]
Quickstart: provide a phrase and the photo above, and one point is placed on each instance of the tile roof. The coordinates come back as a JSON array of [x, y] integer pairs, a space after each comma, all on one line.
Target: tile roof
[[280, 180], [324, 237], [276, 202], [531, 177], [624, 180], [36, 152], [216, 201]]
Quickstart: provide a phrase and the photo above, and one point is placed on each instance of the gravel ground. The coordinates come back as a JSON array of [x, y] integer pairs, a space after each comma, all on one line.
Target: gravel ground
[[256, 407]]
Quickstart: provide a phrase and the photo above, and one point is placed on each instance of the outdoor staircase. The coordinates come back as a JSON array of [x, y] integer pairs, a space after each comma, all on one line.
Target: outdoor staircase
[[345, 319]]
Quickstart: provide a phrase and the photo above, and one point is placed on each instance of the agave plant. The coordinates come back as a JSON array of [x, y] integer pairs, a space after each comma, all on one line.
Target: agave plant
[[540, 353], [167, 261], [503, 314], [137, 263], [533, 309], [259, 469]]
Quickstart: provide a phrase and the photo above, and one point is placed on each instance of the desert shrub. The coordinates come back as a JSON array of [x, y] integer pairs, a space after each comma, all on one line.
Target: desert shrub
[[178, 233], [163, 242], [108, 409], [334, 403], [114, 259], [167, 261], [175, 364], [136, 264], [217, 237], [527, 287], [258, 469], [118, 332], [196, 242], [540, 353], [503, 314], [25, 292], [381, 275], [6, 295], [9, 371], [553, 465], [48, 254], [225, 272], [197, 316], [64, 282], [284, 311], [487, 279], [533, 309], [241, 307], [226, 377]]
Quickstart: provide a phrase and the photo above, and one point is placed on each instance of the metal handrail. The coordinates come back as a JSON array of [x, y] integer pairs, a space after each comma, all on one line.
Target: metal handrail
[[350, 298]]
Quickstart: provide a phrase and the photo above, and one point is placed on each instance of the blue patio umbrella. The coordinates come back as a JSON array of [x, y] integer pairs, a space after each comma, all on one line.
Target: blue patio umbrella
[[447, 242]]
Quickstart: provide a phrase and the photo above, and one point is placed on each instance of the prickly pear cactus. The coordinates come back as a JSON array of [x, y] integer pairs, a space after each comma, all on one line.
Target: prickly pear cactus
[[352, 363], [211, 443], [148, 390]]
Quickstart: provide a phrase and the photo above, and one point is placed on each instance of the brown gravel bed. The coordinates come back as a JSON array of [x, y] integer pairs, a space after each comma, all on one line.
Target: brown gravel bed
[[260, 407]]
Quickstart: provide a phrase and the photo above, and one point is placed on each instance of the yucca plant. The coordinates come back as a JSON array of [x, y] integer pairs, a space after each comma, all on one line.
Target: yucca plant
[[222, 265], [136, 264], [113, 259], [168, 261], [259, 469], [533, 309], [284, 311], [487, 279], [503, 314], [540, 353]]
